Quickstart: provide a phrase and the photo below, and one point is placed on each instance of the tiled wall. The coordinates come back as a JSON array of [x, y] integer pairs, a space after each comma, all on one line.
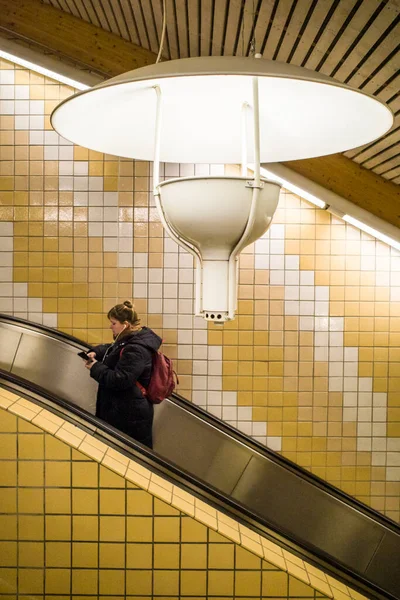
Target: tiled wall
[[311, 364], [71, 528]]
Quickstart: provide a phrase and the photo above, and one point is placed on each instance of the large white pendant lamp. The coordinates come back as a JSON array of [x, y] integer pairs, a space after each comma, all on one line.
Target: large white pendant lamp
[[219, 110]]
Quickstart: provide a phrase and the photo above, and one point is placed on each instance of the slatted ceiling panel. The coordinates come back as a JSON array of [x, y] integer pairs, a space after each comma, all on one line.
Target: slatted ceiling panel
[[232, 29], [194, 27], [148, 18], [393, 173], [244, 32], [128, 16], [137, 12], [314, 16], [355, 67], [385, 166], [320, 43], [292, 33], [277, 29], [120, 19], [206, 13], [157, 24], [348, 35], [183, 27], [218, 30], [263, 22]]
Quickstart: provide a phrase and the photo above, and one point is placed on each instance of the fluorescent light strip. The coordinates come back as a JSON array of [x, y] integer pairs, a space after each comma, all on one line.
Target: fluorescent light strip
[[293, 188], [372, 231], [46, 72]]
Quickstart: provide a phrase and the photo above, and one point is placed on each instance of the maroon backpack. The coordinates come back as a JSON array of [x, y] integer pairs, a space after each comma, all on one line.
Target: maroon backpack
[[163, 379]]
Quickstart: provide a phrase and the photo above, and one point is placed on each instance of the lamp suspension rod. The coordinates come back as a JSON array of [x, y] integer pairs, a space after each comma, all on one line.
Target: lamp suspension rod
[[245, 106], [157, 140]]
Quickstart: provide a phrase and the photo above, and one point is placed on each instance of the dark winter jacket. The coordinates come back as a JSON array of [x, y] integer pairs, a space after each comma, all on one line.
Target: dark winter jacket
[[119, 400]]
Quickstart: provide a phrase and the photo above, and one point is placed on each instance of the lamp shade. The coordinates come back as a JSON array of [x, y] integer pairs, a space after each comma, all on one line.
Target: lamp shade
[[302, 113]]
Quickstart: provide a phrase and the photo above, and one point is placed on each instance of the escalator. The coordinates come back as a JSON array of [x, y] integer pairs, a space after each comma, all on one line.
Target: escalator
[[218, 464]]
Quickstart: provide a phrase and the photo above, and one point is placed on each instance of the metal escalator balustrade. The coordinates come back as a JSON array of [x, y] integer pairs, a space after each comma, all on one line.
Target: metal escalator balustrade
[[270, 493]]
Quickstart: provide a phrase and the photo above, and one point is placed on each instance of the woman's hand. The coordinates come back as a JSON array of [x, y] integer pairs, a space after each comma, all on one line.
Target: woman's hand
[[89, 364], [92, 355]]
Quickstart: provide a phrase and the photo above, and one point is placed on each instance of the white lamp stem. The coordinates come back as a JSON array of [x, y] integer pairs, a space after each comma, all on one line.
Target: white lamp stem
[[157, 140], [245, 106]]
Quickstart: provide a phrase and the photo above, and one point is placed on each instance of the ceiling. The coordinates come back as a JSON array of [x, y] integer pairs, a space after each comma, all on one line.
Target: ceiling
[[354, 41]]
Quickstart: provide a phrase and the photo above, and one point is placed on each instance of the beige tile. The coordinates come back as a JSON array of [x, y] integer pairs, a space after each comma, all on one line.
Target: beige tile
[[114, 465], [160, 492], [275, 559], [206, 518], [229, 532], [6, 402], [111, 453], [46, 424], [138, 479], [321, 586], [183, 505], [22, 411], [68, 437], [160, 481], [95, 453], [251, 545]]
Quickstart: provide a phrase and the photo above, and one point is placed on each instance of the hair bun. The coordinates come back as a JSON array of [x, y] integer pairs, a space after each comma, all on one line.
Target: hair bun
[[128, 304]]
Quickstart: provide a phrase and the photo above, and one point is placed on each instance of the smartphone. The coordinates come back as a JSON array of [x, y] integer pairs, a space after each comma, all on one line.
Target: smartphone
[[85, 356]]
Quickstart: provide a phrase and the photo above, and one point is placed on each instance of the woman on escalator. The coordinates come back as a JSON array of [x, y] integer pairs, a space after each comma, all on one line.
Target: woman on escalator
[[122, 370]]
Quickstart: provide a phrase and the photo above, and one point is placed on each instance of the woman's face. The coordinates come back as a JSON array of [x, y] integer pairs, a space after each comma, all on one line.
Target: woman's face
[[117, 327]]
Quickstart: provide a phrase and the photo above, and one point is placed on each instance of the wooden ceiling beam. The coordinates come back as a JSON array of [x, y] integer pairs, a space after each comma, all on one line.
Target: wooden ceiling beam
[[348, 179], [71, 37]]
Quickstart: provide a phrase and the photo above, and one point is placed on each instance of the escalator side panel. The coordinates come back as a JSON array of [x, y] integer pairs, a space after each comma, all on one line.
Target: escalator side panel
[[209, 455], [381, 568], [308, 513], [9, 340], [55, 366]]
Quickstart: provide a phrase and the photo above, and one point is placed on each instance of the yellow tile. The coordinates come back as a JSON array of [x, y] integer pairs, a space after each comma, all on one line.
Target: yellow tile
[[84, 581], [8, 554], [30, 527], [247, 583], [8, 446], [275, 583], [30, 473], [112, 581], [112, 529], [58, 581], [84, 555], [30, 500], [85, 501], [30, 554], [193, 556], [85, 528], [110, 479], [57, 473], [139, 529], [221, 556], [112, 556], [30, 581], [58, 527], [140, 556], [112, 502], [58, 501], [193, 583], [139, 582], [85, 474], [166, 529], [8, 422]]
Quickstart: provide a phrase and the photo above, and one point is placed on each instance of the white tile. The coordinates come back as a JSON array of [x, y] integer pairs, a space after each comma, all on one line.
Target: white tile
[[307, 278], [364, 444], [170, 306], [350, 399], [35, 304], [276, 277], [261, 246], [259, 428], [393, 473], [110, 198], [199, 382], [321, 338], [378, 459], [274, 443], [261, 261], [336, 353], [245, 413], [336, 338], [365, 384], [349, 414], [229, 413], [50, 319], [364, 398], [110, 229], [364, 429], [155, 305], [379, 399], [292, 261], [125, 259], [379, 415], [110, 244], [350, 369], [307, 292], [335, 384], [277, 231], [139, 290], [351, 354], [214, 398], [335, 369], [6, 228], [199, 397], [277, 262], [277, 246], [214, 382], [96, 184], [350, 384], [364, 414], [185, 321], [200, 352], [307, 307], [7, 76], [379, 429], [321, 323], [200, 367], [6, 289], [336, 324], [292, 292], [322, 293], [379, 444], [321, 308], [292, 307], [230, 398], [215, 367]]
